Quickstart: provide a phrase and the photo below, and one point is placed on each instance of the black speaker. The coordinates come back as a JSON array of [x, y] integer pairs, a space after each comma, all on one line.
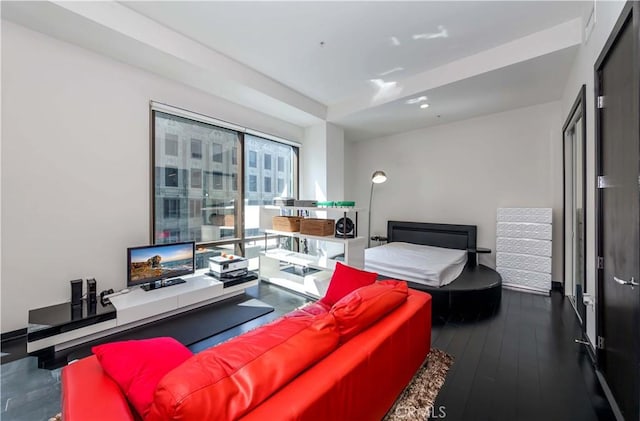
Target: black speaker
[[345, 228], [76, 292], [91, 291]]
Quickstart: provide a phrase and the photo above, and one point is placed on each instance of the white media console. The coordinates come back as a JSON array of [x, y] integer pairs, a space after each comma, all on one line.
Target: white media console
[[132, 309]]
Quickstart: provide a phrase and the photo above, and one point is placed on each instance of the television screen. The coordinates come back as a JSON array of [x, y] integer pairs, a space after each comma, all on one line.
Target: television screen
[[163, 261]]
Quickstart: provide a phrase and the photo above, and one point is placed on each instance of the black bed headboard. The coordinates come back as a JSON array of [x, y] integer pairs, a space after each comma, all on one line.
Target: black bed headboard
[[462, 237]]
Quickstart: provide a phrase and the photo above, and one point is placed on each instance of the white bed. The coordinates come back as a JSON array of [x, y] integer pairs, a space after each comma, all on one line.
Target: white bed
[[427, 265]]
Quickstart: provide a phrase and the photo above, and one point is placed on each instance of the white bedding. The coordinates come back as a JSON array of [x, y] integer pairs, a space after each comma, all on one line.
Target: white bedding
[[427, 265]]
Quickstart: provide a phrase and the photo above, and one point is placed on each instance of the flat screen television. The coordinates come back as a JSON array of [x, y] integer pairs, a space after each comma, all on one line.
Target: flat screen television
[[148, 264]]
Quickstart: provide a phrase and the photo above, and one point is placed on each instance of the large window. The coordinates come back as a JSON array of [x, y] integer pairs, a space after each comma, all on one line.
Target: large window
[[203, 173]]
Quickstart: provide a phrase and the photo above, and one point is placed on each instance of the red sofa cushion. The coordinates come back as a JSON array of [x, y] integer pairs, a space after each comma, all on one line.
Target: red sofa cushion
[[137, 366], [227, 381], [344, 280], [364, 306], [89, 394]]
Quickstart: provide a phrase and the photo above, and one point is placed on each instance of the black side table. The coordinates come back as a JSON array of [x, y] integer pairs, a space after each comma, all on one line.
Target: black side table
[[473, 254], [379, 239]]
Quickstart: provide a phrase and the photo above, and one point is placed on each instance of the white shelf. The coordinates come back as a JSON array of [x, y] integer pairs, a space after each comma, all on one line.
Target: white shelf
[[314, 285], [341, 209], [301, 259], [330, 238]]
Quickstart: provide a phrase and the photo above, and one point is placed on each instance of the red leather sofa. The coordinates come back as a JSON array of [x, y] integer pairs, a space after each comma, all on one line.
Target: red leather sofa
[[317, 375]]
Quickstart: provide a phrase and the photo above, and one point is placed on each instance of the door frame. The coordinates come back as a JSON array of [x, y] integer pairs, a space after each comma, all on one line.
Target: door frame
[[631, 10], [580, 104]]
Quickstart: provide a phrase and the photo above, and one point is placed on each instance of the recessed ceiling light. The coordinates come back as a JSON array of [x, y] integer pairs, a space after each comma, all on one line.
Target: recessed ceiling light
[[416, 100], [425, 105], [442, 33], [388, 72]]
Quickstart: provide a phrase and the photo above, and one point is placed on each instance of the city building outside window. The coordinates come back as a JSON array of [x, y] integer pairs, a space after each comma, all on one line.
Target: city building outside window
[[196, 149], [267, 184], [234, 181], [217, 180], [217, 152], [195, 208], [196, 184], [267, 161], [280, 186], [171, 208], [196, 178], [171, 144], [171, 177], [264, 195], [253, 183]]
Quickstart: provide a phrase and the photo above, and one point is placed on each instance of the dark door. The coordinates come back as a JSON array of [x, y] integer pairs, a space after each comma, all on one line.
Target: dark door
[[619, 240]]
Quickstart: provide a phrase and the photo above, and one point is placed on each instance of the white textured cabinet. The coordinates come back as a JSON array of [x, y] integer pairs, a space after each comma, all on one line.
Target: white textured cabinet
[[523, 248]]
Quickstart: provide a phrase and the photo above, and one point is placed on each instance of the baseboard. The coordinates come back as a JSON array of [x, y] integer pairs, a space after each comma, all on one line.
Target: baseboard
[[13, 335], [521, 288], [557, 286], [607, 392]]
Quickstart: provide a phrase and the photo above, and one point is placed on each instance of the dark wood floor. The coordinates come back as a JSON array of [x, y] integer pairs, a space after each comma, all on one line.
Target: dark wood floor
[[519, 362]]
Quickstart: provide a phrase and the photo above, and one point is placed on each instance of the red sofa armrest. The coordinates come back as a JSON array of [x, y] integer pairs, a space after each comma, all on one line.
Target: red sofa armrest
[[89, 394]]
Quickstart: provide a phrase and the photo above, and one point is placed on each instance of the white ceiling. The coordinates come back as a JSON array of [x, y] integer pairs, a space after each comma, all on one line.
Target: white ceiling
[[469, 58], [282, 39]]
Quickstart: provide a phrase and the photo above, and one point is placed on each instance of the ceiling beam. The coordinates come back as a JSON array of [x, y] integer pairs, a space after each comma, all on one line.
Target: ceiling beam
[[112, 29]]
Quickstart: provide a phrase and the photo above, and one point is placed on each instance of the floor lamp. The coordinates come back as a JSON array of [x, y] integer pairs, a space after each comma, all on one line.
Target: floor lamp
[[378, 177]]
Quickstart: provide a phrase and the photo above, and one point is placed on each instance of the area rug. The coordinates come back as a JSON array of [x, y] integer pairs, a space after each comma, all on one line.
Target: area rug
[[417, 400]]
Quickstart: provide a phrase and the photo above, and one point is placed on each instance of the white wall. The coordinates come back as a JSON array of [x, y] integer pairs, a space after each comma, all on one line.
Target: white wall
[[582, 72], [460, 173], [75, 165]]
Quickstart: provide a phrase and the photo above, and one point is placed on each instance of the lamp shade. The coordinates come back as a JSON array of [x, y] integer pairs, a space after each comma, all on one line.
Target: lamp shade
[[379, 177]]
